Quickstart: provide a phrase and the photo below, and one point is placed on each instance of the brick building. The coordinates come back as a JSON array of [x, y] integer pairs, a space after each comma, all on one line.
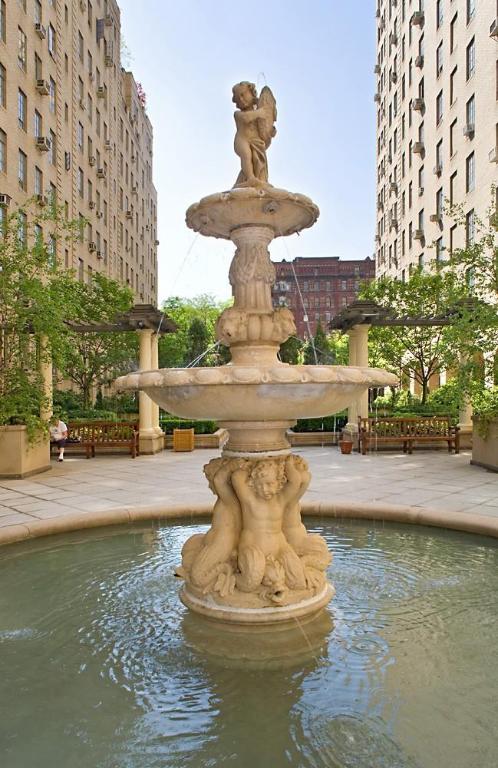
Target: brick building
[[73, 128], [316, 289]]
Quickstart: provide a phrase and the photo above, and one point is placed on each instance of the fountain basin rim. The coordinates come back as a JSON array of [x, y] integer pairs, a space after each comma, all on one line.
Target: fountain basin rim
[[280, 373], [482, 525], [221, 213]]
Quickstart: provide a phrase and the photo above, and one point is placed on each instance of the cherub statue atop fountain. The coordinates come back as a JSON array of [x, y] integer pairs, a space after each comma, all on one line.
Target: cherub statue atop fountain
[[254, 118]]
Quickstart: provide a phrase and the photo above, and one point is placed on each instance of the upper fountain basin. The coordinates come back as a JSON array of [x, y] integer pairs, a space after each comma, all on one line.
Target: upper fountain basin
[[266, 206], [249, 393]]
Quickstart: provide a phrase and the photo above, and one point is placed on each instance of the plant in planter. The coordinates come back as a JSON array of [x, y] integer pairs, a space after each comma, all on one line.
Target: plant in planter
[[346, 446]]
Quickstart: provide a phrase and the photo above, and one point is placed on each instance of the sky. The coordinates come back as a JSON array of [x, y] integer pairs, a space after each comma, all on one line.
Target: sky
[[318, 59]]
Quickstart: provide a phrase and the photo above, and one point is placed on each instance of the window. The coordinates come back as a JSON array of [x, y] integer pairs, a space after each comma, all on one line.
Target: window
[[439, 59], [81, 270], [470, 111], [3, 151], [439, 13], [22, 169], [470, 58], [439, 107], [2, 20], [22, 228], [453, 180], [452, 137], [81, 137], [439, 154], [470, 172], [52, 95], [453, 86], [38, 124], [51, 152], [470, 228], [38, 181], [439, 250], [439, 202], [51, 40], [81, 47], [3, 86], [21, 109], [81, 183], [22, 49], [471, 9], [453, 26], [453, 234], [38, 67], [38, 12]]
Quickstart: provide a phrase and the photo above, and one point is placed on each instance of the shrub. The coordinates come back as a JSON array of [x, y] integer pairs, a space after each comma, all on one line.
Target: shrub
[[325, 424], [485, 405], [204, 427]]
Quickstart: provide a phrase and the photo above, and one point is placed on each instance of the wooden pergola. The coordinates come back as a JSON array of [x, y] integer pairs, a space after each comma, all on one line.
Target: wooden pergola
[[356, 320], [140, 317]]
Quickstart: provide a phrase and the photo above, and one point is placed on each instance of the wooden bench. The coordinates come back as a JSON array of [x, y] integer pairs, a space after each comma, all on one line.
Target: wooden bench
[[407, 430], [89, 436]]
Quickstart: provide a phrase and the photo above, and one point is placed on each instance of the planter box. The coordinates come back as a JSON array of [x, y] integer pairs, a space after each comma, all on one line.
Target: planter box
[[215, 440], [485, 449], [18, 457]]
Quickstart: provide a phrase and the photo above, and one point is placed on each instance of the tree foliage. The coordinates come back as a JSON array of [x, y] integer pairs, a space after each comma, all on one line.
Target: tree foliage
[[35, 298], [182, 347], [94, 359]]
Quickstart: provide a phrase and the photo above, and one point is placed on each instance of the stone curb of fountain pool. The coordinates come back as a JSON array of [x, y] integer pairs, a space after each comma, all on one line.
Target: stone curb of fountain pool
[[459, 521]]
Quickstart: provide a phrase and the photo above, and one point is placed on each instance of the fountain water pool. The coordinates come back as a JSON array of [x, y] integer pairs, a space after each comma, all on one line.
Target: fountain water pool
[[100, 665]]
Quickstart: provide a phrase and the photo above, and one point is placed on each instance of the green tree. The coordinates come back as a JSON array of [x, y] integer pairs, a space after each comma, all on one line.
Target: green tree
[[93, 359], [35, 298], [318, 352], [174, 347], [198, 341], [420, 351], [291, 351]]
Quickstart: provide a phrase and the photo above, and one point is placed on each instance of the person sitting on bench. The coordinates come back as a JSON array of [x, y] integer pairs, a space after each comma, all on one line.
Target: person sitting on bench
[[58, 435]]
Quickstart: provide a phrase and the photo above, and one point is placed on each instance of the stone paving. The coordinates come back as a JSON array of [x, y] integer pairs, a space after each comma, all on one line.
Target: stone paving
[[433, 480]]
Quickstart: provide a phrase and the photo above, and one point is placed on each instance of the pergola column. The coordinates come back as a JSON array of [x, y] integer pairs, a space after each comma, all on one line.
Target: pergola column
[[358, 356], [465, 418], [154, 356], [149, 440], [46, 373]]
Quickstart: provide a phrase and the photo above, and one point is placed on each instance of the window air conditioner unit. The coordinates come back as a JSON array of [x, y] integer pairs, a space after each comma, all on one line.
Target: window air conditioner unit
[[493, 155], [418, 147], [437, 170], [107, 144], [377, 98], [41, 200], [91, 204], [418, 234], [393, 76], [40, 31], [99, 254], [108, 20], [82, 104], [417, 18], [91, 160], [91, 76], [469, 130], [101, 92], [5, 200], [101, 173], [377, 69], [419, 61], [156, 242], [43, 143], [418, 104], [129, 214], [134, 189], [420, 191], [393, 223], [435, 217], [493, 30], [92, 247], [99, 214], [43, 87], [393, 187]]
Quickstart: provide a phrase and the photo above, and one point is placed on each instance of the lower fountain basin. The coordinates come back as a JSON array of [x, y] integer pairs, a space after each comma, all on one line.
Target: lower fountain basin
[[100, 665], [263, 393]]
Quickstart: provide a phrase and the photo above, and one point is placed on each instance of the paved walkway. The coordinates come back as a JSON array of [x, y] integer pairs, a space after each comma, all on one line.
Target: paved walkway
[[433, 480]]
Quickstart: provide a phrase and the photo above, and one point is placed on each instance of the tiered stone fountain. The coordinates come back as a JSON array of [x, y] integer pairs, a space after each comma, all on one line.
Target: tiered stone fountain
[[257, 563]]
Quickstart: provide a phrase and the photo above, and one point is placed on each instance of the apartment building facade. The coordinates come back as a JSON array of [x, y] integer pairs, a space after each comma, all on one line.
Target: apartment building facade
[[73, 128], [437, 127], [316, 289]]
